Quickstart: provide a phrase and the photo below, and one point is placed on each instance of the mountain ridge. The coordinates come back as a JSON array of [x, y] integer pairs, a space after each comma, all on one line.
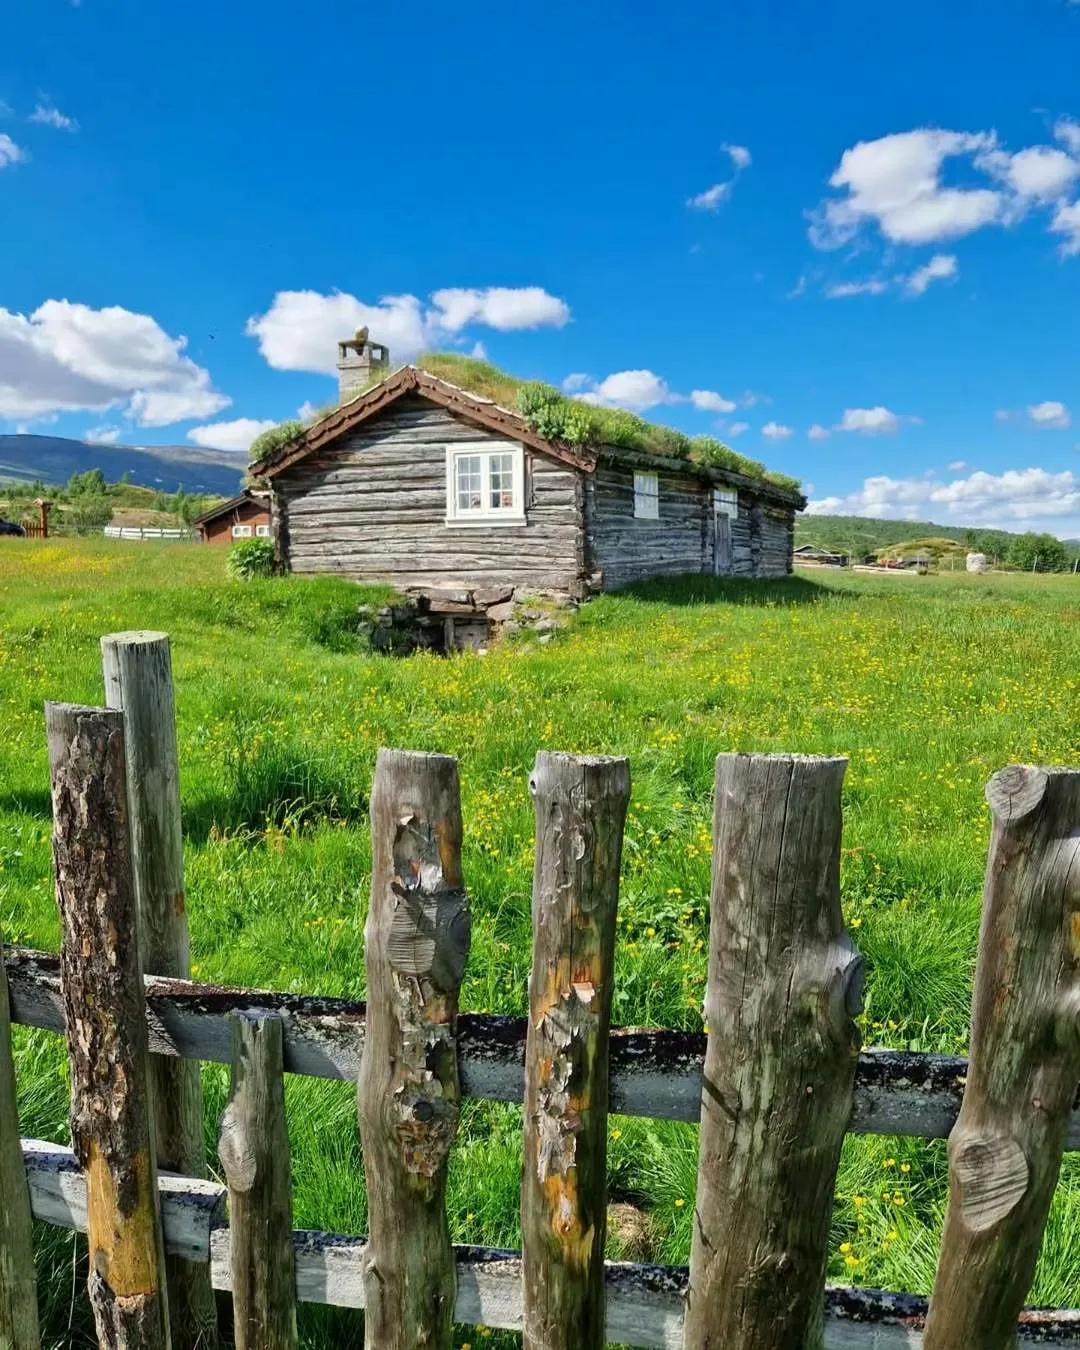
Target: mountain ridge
[[27, 458]]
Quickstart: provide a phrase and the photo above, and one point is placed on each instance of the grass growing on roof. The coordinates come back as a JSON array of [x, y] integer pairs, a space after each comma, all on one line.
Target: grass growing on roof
[[928, 686]]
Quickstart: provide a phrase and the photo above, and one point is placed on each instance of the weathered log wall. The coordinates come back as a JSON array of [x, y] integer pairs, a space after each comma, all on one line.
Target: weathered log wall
[[373, 507], [626, 549]]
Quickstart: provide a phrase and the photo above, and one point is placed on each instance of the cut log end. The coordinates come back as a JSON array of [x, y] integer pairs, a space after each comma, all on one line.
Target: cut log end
[[1016, 792]]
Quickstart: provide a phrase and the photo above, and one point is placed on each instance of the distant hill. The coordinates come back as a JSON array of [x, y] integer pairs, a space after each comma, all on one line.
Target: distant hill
[[865, 534], [166, 468]]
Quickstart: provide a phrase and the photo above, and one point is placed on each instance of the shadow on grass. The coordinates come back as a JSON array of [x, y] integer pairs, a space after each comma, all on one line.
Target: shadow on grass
[[694, 589], [36, 802]]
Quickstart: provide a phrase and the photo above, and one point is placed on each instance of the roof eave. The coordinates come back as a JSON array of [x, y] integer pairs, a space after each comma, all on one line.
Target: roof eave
[[759, 487]]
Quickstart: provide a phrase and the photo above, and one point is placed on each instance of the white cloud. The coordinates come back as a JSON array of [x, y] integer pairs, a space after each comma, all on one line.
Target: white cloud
[[10, 153], [776, 431], [895, 183], [844, 290], [1066, 221], [941, 267], [1041, 173], [634, 389], [235, 435], [707, 400], [104, 435], [576, 381], [1050, 416], [877, 421], [958, 466], [738, 428], [1018, 498], [740, 156], [48, 115], [818, 433], [505, 308], [1068, 132], [67, 357], [301, 329], [710, 199], [479, 352]]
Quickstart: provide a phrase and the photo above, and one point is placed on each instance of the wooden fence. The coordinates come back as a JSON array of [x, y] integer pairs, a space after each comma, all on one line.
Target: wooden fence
[[776, 1083]]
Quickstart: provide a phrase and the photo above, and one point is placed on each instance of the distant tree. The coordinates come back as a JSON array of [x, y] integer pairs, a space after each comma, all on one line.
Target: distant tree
[[88, 513], [89, 484], [1037, 552]]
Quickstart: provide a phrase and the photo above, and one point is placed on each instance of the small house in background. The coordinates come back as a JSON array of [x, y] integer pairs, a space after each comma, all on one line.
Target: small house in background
[[430, 486], [243, 517], [811, 555]]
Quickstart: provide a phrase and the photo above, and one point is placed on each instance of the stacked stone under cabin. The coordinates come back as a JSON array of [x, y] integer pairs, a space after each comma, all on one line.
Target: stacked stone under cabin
[[457, 501]]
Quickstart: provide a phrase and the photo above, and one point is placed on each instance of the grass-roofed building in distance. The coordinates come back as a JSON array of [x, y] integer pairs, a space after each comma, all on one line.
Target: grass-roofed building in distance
[[451, 474]]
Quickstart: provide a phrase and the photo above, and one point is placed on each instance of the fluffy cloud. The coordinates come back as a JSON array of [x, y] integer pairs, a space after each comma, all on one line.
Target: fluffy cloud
[[876, 421], [776, 431], [104, 435], [738, 428], [896, 184], [707, 400], [1050, 416], [634, 389], [818, 433], [10, 153], [1066, 221], [958, 466], [301, 329], [235, 435], [577, 381], [1018, 498], [504, 308], [68, 357], [740, 156], [47, 114], [941, 267], [711, 198]]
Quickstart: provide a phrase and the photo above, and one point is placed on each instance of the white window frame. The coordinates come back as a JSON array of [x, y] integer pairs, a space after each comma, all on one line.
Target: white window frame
[[486, 514], [646, 496], [726, 502], [262, 531], [241, 531]]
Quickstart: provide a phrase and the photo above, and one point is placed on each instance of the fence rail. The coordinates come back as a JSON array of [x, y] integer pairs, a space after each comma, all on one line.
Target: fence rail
[[144, 532], [776, 1083]]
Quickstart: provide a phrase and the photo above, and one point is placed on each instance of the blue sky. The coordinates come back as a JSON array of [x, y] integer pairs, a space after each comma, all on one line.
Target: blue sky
[[857, 225]]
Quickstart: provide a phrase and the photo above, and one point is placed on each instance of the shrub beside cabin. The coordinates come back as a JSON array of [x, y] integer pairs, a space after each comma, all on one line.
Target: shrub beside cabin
[[415, 481]]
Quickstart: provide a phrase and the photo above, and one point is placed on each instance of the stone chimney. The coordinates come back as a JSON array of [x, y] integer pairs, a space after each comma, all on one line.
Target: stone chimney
[[360, 363]]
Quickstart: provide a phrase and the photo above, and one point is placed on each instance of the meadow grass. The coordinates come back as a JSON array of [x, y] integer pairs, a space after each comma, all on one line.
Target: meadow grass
[[928, 686]]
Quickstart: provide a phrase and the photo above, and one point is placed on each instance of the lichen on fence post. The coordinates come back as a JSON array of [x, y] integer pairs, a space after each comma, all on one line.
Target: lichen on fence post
[[254, 1152], [415, 949], [784, 987], [138, 681], [105, 1014], [580, 814], [18, 1289], [1005, 1149]]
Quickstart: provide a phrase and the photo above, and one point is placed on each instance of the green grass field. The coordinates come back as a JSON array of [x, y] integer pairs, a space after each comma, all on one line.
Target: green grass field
[[928, 685]]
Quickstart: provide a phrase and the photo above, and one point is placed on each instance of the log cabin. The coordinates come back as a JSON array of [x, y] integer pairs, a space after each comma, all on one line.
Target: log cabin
[[244, 517], [417, 481]]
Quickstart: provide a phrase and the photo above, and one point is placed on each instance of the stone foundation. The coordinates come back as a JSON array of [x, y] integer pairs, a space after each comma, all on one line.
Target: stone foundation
[[448, 620]]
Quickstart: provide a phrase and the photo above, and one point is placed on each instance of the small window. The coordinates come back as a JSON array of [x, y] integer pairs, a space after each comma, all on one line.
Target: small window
[[262, 531], [485, 487], [241, 531], [646, 496], [725, 503]]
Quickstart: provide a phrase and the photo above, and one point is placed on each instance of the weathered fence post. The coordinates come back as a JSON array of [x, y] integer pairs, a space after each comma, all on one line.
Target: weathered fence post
[[1005, 1150], [104, 1005], [416, 947], [580, 813], [254, 1152], [784, 985], [138, 681], [18, 1287]]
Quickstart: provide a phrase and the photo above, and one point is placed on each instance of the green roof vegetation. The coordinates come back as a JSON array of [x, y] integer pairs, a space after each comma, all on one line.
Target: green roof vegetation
[[556, 417], [553, 415]]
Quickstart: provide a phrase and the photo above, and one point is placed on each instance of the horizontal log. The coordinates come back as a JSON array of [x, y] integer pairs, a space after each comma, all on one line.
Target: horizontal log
[[655, 1074], [644, 1303]]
